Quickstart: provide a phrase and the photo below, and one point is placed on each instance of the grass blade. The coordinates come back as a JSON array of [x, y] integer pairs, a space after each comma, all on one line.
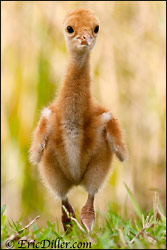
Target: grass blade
[[134, 202], [3, 209]]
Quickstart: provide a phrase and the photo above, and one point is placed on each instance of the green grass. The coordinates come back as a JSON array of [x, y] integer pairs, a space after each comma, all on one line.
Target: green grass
[[146, 231]]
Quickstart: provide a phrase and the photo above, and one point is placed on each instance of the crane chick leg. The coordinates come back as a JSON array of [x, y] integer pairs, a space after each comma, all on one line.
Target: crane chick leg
[[67, 212], [92, 180], [88, 214], [58, 183]]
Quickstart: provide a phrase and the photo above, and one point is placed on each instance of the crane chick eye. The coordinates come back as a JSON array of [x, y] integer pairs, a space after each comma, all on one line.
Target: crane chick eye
[[70, 29], [96, 29]]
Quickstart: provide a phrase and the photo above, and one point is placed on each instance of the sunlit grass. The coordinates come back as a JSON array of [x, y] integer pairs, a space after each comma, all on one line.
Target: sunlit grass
[[142, 232]]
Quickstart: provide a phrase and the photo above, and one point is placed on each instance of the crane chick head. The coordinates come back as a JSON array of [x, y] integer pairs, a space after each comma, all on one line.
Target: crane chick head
[[81, 28]]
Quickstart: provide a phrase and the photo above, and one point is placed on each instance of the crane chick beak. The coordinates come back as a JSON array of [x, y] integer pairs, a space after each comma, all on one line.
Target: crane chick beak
[[85, 38]]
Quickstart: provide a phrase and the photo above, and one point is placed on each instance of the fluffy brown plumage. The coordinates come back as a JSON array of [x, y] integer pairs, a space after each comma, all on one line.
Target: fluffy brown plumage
[[76, 138]]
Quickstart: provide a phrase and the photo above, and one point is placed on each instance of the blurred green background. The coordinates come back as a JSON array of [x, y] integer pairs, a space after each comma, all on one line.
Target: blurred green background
[[128, 69]]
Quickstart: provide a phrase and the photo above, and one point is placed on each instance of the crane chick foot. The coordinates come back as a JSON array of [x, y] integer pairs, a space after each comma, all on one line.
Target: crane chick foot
[[88, 214], [67, 212]]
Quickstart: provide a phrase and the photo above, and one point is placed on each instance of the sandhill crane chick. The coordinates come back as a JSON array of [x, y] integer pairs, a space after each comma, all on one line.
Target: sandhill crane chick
[[76, 138]]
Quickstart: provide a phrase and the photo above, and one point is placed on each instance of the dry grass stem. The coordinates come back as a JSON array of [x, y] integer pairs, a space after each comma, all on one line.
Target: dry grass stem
[[122, 237], [73, 219], [145, 226], [14, 236]]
